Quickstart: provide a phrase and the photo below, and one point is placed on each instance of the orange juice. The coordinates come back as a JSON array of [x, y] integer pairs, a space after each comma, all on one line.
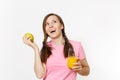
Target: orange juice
[[70, 61]]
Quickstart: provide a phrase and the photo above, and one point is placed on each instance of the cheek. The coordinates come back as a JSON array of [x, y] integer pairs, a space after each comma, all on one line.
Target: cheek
[[60, 28], [46, 30]]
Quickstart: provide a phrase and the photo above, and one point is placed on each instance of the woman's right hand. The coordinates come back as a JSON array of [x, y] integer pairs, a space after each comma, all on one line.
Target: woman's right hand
[[28, 42]]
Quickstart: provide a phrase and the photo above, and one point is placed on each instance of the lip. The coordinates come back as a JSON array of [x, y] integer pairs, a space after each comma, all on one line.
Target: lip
[[51, 31]]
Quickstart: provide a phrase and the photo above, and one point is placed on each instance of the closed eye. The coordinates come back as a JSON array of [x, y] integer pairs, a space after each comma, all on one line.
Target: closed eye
[[47, 24], [54, 21]]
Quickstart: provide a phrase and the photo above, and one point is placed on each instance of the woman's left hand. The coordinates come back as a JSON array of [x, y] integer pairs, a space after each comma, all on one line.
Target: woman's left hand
[[77, 66]]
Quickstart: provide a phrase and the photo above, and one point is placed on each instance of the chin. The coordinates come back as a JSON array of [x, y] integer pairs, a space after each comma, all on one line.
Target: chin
[[53, 37]]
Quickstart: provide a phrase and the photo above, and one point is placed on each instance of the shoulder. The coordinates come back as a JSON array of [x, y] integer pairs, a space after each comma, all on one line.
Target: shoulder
[[78, 49], [75, 43], [49, 43]]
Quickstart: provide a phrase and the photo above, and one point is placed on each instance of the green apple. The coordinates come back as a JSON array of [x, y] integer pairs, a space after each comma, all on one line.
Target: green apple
[[30, 36]]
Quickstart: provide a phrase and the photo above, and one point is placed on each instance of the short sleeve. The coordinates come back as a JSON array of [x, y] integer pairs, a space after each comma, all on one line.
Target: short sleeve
[[81, 53]]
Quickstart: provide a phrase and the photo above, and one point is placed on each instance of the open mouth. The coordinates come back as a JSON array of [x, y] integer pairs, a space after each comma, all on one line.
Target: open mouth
[[52, 31]]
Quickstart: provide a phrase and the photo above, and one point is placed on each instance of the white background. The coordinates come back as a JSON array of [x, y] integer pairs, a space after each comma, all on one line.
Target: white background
[[96, 23]]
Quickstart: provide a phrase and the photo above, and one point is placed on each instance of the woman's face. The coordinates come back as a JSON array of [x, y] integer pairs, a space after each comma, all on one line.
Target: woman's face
[[53, 27]]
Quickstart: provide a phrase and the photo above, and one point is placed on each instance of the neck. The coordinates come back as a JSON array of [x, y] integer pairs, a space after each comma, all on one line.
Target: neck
[[59, 41]]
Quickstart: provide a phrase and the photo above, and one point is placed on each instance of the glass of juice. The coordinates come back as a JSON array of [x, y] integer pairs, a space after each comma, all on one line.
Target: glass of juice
[[70, 60]]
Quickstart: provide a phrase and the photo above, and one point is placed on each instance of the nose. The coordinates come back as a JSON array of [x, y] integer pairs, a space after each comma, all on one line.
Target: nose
[[51, 25]]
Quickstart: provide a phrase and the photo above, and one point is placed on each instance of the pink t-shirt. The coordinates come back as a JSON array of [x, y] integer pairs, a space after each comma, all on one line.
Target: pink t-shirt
[[57, 65]]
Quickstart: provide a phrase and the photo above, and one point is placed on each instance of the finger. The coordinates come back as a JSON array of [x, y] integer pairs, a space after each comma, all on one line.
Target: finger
[[78, 60], [27, 38], [77, 64], [76, 68], [24, 39]]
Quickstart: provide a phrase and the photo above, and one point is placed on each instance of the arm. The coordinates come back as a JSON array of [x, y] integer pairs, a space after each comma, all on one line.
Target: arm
[[39, 67], [82, 66]]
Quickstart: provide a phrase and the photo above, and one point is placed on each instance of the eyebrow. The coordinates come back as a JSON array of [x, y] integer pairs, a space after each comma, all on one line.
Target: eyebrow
[[52, 20]]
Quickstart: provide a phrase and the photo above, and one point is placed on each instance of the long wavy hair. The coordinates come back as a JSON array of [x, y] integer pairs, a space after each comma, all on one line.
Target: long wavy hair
[[46, 50]]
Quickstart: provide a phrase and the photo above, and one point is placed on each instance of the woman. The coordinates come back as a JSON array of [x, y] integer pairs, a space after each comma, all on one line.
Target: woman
[[50, 63]]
